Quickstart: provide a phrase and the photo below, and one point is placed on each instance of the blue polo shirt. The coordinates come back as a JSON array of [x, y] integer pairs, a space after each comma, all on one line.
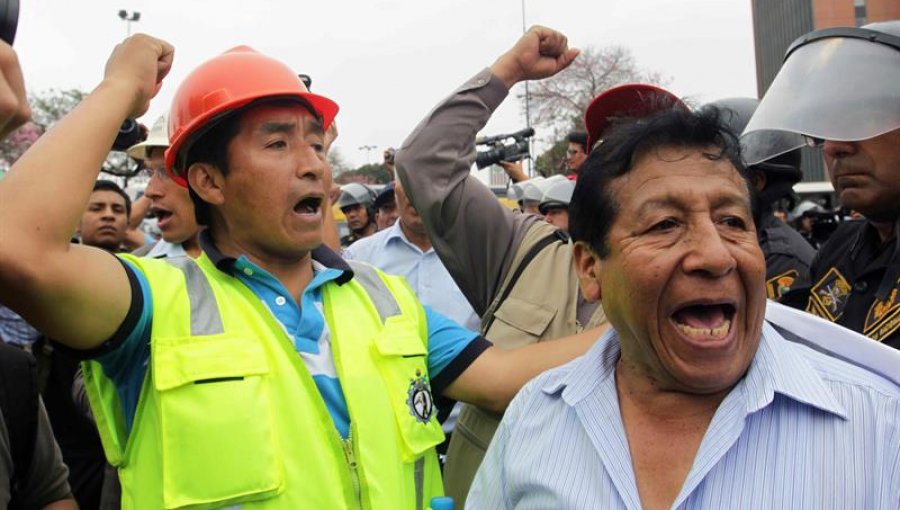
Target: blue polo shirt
[[451, 348]]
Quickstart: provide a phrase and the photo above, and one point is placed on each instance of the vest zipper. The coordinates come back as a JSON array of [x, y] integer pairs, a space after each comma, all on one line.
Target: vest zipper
[[354, 475]]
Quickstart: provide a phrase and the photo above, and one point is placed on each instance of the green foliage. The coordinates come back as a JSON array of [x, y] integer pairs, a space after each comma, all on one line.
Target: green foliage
[[46, 109], [373, 173], [553, 160]]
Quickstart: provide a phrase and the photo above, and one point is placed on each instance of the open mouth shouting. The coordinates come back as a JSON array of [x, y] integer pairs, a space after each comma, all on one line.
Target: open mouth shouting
[[309, 206], [163, 216], [705, 322]]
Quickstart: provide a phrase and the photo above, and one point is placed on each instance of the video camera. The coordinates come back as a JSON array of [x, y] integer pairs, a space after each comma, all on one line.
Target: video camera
[[118, 162], [824, 224], [499, 151]]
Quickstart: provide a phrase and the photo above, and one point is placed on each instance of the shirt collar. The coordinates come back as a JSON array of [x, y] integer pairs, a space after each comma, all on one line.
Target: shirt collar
[[395, 231], [164, 249], [777, 367], [322, 254]]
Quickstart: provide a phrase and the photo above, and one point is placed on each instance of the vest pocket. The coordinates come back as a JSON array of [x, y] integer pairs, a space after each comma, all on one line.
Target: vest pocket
[[403, 368], [216, 430], [519, 323]]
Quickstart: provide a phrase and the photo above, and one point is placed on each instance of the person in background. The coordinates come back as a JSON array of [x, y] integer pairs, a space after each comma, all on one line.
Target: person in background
[[576, 151], [169, 202], [104, 221], [385, 205], [788, 254], [554, 205], [357, 202]]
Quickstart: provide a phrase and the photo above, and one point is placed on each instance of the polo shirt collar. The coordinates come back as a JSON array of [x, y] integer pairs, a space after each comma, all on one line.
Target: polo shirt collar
[[322, 254]]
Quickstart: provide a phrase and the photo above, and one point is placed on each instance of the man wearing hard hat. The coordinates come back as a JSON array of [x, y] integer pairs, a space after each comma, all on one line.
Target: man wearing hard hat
[[267, 373]]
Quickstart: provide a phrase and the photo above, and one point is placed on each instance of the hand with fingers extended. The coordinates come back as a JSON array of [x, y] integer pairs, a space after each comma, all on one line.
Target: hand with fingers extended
[[540, 53], [139, 63], [14, 109]]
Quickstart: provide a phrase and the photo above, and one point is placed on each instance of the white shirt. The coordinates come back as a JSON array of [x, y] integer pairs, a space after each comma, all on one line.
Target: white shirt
[[390, 251]]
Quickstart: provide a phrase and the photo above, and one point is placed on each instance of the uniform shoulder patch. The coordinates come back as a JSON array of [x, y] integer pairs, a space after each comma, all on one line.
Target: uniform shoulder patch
[[830, 294], [779, 284], [884, 315]]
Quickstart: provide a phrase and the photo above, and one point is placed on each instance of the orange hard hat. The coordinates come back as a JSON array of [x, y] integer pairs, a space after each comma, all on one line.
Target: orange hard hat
[[224, 84]]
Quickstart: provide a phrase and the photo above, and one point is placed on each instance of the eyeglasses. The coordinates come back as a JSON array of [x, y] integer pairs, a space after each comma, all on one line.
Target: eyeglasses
[[815, 143], [159, 172]]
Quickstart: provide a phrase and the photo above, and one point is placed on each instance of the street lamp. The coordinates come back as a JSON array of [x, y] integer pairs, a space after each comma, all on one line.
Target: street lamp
[[128, 17], [368, 149], [530, 171]]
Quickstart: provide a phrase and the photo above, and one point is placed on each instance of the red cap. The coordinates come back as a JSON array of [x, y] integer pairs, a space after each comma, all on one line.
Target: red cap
[[629, 100]]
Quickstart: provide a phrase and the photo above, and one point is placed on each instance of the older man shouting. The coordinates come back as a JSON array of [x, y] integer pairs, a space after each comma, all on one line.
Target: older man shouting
[[691, 400]]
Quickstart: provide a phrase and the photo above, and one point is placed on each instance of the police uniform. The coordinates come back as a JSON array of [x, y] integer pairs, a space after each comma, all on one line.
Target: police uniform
[[788, 257], [856, 282], [349, 239]]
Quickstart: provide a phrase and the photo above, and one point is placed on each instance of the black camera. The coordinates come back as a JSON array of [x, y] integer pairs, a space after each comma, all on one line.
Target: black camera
[[9, 20], [130, 133], [118, 162], [500, 151]]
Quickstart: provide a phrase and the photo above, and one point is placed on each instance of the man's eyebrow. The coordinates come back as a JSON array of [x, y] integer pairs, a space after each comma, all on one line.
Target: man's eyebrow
[[655, 203], [731, 200], [278, 127], [315, 126], [719, 202]]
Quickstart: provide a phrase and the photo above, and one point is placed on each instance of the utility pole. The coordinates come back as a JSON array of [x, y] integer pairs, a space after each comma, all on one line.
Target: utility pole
[[530, 170]]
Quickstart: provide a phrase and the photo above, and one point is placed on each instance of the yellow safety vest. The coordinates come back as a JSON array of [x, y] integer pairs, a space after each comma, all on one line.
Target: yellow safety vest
[[229, 415]]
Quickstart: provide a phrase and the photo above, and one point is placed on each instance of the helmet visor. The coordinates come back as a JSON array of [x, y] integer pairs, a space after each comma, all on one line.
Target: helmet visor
[[833, 88]]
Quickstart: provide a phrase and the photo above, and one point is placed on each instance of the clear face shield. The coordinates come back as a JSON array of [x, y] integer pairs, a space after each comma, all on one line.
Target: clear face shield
[[839, 84]]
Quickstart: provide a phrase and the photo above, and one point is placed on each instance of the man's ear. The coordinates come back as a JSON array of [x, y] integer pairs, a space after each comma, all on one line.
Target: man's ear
[[207, 182], [587, 264], [759, 180]]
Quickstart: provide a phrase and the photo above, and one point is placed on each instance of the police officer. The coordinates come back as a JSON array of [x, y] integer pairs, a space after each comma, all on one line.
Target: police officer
[[788, 254], [838, 88], [554, 206], [357, 202]]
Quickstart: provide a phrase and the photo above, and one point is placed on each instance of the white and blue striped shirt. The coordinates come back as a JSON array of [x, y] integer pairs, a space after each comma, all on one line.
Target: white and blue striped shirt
[[800, 430]]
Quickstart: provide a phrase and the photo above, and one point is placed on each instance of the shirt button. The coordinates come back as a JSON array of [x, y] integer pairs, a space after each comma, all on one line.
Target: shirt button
[[280, 301], [248, 271], [860, 287]]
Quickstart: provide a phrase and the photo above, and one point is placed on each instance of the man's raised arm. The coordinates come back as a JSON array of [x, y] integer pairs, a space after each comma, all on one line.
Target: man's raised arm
[[75, 294], [475, 236]]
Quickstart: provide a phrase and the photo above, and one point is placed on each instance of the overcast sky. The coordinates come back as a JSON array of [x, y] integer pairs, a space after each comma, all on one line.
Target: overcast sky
[[387, 62]]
